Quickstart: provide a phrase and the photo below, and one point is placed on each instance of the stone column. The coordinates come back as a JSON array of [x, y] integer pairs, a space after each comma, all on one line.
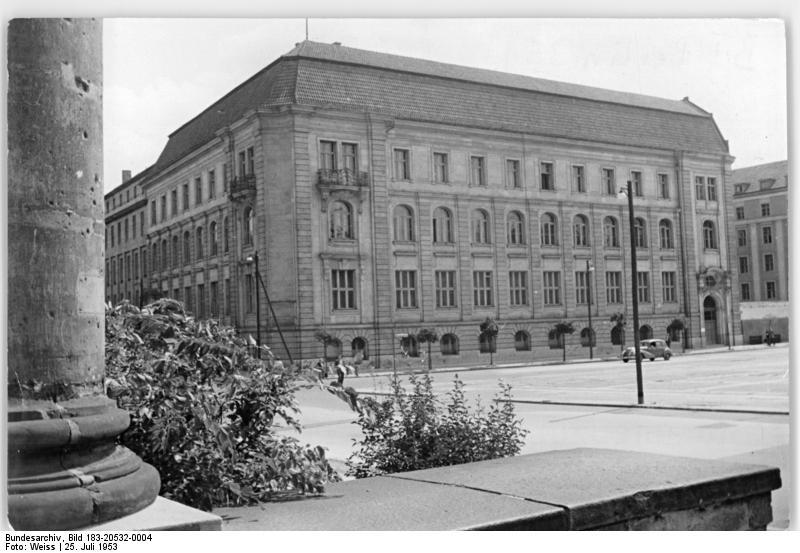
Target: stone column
[[64, 469]]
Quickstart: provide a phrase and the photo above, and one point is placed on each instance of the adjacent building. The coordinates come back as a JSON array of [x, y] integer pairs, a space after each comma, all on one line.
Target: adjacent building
[[386, 194], [761, 203]]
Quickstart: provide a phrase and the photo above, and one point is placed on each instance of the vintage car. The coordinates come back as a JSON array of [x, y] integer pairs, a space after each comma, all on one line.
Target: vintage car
[[648, 349]]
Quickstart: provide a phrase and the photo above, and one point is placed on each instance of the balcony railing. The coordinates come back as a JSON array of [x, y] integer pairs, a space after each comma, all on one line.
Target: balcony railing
[[242, 185], [342, 177]]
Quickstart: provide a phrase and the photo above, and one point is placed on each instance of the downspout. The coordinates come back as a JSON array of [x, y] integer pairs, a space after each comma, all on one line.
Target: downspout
[[375, 309], [687, 336]]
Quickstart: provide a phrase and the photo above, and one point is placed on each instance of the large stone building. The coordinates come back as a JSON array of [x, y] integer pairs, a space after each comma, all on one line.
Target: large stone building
[[761, 202], [386, 194]]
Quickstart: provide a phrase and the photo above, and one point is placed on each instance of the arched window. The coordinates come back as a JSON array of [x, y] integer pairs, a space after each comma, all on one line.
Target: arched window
[[199, 244], [487, 343], [449, 344], [176, 251], [213, 238], [616, 336], [403, 224], [645, 332], [516, 234], [522, 341], [588, 337], [333, 349], [665, 232], [341, 218], [581, 230], [248, 226], [442, 226], [610, 232], [226, 235], [709, 236], [554, 339], [640, 233], [164, 254], [154, 252], [187, 247], [359, 345], [549, 230], [480, 227], [408, 345]]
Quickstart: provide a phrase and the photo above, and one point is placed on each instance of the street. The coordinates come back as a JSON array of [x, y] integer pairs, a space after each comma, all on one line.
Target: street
[[721, 402]]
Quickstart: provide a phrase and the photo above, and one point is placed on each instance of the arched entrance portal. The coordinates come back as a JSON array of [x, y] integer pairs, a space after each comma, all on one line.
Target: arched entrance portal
[[710, 320]]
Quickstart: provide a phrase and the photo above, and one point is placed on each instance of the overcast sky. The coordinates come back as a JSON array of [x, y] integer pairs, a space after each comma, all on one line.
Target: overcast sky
[[159, 73]]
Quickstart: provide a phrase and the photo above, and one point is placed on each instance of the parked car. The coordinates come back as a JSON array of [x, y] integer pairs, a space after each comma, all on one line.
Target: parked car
[[648, 349]]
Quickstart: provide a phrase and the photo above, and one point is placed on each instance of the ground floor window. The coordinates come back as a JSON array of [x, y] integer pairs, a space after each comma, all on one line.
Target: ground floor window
[[449, 344], [522, 341]]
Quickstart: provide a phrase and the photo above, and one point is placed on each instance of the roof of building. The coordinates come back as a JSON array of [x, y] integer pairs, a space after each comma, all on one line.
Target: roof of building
[[777, 170], [349, 79]]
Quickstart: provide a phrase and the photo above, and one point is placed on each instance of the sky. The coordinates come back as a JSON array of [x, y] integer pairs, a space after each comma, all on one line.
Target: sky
[[159, 73]]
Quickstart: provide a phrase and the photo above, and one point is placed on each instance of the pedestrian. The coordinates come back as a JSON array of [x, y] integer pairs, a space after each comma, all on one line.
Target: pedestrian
[[669, 341], [340, 371], [769, 338]]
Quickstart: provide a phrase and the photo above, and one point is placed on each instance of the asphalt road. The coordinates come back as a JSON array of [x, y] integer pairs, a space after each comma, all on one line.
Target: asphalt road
[[720, 402]]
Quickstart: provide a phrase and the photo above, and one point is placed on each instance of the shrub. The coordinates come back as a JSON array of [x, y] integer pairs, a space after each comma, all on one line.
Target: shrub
[[416, 431], [203, 410]]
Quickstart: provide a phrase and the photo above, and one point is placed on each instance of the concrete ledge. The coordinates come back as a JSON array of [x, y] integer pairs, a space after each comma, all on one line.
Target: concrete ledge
[[578, 489], [163, 514]]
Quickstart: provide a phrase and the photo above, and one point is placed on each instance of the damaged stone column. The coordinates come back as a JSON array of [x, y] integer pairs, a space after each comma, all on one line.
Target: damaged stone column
[[65, 470]]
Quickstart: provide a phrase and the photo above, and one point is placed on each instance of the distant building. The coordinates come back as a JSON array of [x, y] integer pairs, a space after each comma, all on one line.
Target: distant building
[[387, 194], [761, 201]]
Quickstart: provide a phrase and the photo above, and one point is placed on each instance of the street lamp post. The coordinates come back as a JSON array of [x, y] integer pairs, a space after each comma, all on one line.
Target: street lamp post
[[254, 259], [635, 293], [589, 270]]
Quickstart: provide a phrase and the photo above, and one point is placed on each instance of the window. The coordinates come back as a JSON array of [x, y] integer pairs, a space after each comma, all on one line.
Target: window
[[578, 179], [440, 168], [187, 247], [174, 202], [251, 161], [403, 224], [700, 188], [609, 182], [201, 301], [226, 293], [343, 289], [449, 344], [709, 236], [153, 212], [552, 287], [522, 341], [516, 227], [163, 208], [766, 234], [769, 264], [663, 186], [249, 293], [610, 232], [581, 230], [442, 226], [128, 267], [742, 237], [198, 191], [740, 213], [745, 291], [546, 175], [643, 281], [549, 230], [327, 155], [512, 174], [187, 298], [136, 264], [482, 288], [405, 287], [765, 210], [744, 265], [445, 288], [164, 254], [212, 184], [581, 288], [588, 337], [480, 227], [640, 233], [668, 287], [341, 219], [226, 237], [111, 232], [248, 226], [665, 234], [199, 243], [409, 345], [613, 287], [518, 287], [242, 164], [487, 343], [141, 224], [771, 290], [213, 238], [711, 189], [213, 306], [126, 230], [133, 226], [186, 196], [176, 251], [636, 183], [350, 156], [402, 167], [477, 171]]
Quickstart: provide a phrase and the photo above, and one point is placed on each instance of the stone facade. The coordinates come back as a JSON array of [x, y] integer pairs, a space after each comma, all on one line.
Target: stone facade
[[374, 221]]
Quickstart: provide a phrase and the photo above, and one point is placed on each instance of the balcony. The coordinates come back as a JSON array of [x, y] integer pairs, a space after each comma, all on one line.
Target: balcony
[[341, 183], [242, 187]]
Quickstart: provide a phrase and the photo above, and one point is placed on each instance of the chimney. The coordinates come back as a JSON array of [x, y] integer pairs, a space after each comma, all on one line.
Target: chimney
[[126, 175], [337, 43]]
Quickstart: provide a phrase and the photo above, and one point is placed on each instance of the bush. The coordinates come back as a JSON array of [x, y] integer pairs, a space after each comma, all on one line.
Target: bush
[[203, 409], [416, 431]]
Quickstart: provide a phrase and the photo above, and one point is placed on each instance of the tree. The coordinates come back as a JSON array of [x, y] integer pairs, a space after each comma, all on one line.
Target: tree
[[619, 324], [674, 329], [428, 336], [489, 331], [561, 329]]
